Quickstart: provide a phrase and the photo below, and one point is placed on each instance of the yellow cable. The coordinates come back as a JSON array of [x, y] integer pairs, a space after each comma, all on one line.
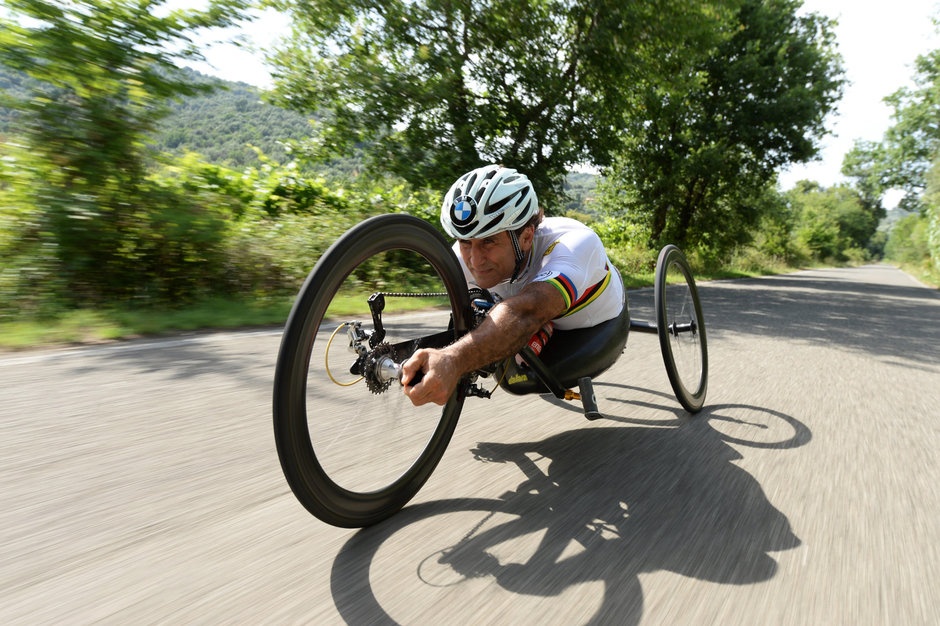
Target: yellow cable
[[326, 358], [506, 367]]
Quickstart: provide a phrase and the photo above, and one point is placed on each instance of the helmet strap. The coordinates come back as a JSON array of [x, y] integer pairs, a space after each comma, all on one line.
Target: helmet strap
[[520, 256]]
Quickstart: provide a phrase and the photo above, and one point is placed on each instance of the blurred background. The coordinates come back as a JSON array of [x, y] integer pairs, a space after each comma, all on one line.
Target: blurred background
[[167, 167]]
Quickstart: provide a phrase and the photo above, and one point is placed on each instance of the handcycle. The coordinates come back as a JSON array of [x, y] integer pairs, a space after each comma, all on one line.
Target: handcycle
[[353, 450]]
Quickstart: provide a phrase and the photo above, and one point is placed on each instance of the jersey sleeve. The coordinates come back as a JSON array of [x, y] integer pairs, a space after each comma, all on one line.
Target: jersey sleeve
[[576, 265]]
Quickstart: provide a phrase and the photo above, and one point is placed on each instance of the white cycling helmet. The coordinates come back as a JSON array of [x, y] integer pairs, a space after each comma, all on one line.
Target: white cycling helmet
[[487, 201]]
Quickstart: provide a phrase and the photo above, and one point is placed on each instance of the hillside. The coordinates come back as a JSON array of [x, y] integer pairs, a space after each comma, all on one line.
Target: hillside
[[219, 125], [580, 187], [891, 218]]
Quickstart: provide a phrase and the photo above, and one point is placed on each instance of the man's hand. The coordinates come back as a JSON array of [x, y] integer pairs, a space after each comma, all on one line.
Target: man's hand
[[506, 329], [440, 377]]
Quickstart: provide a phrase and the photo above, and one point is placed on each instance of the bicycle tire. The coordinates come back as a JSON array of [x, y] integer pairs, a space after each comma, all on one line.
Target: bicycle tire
[[311, 427], [681, 328]]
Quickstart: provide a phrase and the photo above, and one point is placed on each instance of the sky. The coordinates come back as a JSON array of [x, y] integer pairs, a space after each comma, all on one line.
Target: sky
[[878, 40]]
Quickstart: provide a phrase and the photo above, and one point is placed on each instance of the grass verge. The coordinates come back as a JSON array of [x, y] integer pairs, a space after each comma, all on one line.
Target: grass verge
[[923, 273], [83, 326], [87, 326]]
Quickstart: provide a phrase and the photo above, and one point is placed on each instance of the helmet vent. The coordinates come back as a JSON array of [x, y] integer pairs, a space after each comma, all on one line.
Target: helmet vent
[[493, 207]]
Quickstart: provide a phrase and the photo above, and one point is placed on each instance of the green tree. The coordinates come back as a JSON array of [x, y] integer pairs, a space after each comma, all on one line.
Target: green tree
[[697, 160], [932, 203], [102, 71], [903, 157], [774, 236], [909, 241], [833, 221], [441, 87]]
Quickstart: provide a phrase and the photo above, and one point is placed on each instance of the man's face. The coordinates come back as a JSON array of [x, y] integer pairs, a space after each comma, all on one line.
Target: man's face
[[492, 259]]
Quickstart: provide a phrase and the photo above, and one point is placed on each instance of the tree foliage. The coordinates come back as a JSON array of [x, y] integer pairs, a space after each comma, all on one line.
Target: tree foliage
[[443, 86], [697, 160], [932, 200], [102, 71], [832, 221], [903, 157], [908, 242], [915, 239], [907, 158]]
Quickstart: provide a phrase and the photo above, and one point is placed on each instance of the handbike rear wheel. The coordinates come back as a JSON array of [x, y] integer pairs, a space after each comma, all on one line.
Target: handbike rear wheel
[[353, 448], [681, 328]]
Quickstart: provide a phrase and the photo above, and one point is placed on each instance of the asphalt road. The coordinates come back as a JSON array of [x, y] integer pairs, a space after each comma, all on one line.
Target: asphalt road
[[139, 483]]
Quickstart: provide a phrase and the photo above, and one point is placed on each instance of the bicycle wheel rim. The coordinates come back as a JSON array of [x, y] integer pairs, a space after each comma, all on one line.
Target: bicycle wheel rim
[[354, 456], [681, 329]]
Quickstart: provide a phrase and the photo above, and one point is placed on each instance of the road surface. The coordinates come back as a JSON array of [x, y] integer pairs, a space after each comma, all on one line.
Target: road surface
[[139, 483]]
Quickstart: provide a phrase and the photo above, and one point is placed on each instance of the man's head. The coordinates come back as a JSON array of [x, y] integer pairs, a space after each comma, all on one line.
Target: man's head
[[493, 211]]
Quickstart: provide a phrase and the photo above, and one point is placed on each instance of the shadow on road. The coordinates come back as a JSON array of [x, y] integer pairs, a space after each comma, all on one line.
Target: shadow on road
[[881, 319], [633, 499], [252, 367], [738, 423]]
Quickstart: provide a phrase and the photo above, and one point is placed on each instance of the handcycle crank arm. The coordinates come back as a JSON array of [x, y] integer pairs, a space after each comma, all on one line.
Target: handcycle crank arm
[[405, 349], [438, 340]]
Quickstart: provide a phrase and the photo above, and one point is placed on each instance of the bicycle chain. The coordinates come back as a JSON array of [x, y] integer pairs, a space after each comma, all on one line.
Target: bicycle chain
[[413, 295]]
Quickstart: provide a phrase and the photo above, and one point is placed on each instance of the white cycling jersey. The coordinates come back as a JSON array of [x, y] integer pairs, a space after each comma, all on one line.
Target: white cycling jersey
[[571, 257]]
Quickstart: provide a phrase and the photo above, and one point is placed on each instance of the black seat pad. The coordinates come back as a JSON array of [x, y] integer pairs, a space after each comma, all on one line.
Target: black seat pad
[[572, 354]]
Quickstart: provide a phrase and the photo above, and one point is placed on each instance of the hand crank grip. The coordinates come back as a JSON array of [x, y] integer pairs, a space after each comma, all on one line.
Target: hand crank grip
[[416, 378]]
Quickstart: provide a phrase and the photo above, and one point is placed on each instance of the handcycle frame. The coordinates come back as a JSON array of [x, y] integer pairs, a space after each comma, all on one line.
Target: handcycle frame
[[571, 358]]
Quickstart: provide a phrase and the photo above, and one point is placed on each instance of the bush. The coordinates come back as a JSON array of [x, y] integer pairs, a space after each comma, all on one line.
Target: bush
[[908, 242], [632, 260], [28, 259], [933, 232], [856, 256], [619, 232], [751, 260], [188, 231]]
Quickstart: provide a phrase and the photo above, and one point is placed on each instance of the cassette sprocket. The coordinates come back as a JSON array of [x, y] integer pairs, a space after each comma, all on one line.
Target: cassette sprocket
[[376, 383]]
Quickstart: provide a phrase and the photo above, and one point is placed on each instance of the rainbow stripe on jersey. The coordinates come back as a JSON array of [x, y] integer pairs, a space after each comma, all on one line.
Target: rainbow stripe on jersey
[[568, 291]]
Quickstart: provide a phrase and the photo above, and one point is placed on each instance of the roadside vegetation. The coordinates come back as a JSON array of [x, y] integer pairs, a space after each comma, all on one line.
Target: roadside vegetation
[[137, 198]]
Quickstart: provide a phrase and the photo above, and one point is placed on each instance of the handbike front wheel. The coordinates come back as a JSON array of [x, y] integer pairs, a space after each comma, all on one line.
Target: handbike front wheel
[[681, 328], [353, 448]]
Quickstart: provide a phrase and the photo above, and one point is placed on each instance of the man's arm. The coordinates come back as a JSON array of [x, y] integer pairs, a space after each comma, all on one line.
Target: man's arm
[[504, 331]]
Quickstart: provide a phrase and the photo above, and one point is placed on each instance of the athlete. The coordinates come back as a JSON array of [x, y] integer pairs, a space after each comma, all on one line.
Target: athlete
[[545, 273]]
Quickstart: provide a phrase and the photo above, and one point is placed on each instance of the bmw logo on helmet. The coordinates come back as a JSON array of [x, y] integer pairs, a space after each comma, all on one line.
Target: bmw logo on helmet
[[463, 210]]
